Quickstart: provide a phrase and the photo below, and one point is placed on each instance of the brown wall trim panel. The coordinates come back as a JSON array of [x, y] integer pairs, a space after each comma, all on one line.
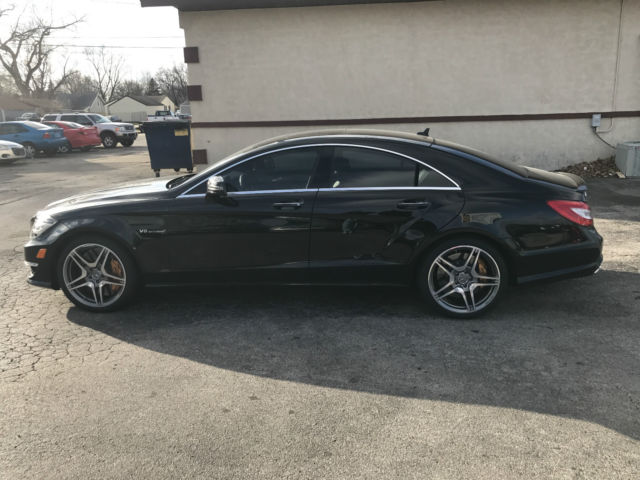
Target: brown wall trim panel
[[194, 92], [191, 55], [392, 120], [199, 157]]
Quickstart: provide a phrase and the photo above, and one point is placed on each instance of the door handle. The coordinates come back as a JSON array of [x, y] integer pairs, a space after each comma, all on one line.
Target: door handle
[[414, 204], [292, 205]]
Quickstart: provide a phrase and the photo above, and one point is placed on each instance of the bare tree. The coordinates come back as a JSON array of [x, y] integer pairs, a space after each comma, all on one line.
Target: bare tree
[[173, 82], [26, 56], [107, 69]]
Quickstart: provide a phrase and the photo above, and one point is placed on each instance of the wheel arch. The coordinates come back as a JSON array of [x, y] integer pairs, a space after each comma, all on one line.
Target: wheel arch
[[501, 247], [82, 231]]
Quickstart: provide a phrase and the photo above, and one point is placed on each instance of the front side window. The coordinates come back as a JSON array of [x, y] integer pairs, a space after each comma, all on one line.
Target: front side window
[[358, 167], [284, 170], [98, 118]]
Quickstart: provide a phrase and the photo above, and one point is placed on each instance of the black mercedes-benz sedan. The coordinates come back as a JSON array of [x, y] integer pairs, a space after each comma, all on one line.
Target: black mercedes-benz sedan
[[346, 207]]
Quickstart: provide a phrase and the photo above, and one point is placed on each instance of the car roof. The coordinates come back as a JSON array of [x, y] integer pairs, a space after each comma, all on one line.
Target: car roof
[[346, 132]]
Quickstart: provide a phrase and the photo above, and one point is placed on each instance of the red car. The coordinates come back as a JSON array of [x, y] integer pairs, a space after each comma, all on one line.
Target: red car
[[78, 136]]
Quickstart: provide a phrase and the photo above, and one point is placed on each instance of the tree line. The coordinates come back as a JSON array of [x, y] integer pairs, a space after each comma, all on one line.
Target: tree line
[[26, 58]]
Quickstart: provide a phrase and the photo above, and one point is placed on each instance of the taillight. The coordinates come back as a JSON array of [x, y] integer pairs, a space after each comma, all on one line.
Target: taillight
[[577, 212], [46, 135]]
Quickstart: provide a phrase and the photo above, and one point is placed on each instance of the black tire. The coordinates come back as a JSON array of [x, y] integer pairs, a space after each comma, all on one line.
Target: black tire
[[66, 148], [30, 149], [463, 277], [109, 140], [126, 143], [103, 263]]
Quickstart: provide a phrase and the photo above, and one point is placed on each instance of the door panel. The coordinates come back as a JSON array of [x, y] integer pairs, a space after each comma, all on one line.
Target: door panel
[[372, 236], [375, 209], [255, 237]]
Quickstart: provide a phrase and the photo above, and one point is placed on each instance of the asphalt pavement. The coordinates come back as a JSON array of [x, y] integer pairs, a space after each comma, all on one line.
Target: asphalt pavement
[[301, 382]]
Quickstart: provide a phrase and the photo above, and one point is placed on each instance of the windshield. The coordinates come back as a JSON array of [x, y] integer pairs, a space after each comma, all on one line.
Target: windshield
[[98, 118]]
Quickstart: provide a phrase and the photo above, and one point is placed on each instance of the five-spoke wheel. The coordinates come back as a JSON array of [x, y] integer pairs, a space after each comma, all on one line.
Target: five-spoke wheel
[[463, 277], [96, 274]]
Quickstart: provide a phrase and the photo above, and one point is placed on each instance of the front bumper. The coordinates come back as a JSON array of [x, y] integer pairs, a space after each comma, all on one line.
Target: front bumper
[[128, 135], [41, 270]]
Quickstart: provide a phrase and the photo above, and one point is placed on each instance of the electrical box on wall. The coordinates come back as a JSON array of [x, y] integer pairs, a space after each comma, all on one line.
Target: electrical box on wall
[[596, 118]]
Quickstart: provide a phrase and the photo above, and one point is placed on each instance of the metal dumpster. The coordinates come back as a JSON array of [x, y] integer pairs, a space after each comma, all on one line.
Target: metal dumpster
[[169, 144]]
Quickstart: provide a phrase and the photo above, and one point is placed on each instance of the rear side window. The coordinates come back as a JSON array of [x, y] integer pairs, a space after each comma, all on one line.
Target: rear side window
[[357, 167], [69, 118]]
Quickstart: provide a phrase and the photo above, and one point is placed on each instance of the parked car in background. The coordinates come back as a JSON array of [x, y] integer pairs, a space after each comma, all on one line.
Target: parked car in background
[[162, 115], [342, 207], [11, 151], [33, 136], [29, 116], [78, 136], [110, 132]]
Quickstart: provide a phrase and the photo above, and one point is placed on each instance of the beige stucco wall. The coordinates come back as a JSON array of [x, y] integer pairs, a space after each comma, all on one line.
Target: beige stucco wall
[[441, 58]]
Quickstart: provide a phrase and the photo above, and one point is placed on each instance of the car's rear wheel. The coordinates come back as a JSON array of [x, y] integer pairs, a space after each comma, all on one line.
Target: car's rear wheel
[[29, 149], [109, 140], [463, 277], [97, 274]]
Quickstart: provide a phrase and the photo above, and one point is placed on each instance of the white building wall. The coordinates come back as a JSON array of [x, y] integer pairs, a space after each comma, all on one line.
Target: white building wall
[[445, 58], [130, 110]]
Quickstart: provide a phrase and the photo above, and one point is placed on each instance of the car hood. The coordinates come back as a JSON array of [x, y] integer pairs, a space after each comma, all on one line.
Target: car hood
[[130, 192], [117, 124], [8, 144]]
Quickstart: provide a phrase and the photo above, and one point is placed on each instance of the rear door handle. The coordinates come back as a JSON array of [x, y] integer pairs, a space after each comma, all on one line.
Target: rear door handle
[[291, 205], [414, 205]]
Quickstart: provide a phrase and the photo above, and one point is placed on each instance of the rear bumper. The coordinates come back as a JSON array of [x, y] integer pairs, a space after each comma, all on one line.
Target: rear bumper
[[567, 261]]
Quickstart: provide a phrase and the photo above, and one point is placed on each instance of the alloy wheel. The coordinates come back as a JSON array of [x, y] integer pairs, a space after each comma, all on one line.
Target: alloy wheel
[[94, 275], [464, 279]]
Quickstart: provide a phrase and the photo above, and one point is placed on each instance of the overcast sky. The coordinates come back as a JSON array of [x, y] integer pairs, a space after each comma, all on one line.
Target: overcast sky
[[147, 38]]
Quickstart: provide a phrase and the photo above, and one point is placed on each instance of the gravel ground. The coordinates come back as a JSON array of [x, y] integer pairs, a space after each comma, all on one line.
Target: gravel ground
[[315, 382]]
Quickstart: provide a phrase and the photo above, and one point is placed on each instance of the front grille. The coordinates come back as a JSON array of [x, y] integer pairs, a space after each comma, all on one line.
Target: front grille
[[18, 151], [128, 127]]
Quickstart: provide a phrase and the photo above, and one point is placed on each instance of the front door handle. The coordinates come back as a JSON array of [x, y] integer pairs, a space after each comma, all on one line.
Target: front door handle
[[291, 205], [414, 205]]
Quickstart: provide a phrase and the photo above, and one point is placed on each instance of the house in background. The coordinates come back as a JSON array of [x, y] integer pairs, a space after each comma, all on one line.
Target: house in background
[[11, 107], [89, 103], [135, 108], [518, 79]]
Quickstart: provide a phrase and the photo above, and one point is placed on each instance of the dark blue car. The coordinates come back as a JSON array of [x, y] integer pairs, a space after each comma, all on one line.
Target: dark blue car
[[33, 136]]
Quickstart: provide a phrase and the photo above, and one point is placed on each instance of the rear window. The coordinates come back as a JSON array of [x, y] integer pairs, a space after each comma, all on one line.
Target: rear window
[[37, 125]]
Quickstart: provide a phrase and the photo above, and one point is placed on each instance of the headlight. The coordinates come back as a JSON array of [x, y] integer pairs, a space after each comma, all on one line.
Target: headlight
[[41, 223], [118, 129]]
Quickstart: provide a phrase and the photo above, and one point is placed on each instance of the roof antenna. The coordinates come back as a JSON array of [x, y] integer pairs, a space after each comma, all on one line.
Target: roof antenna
[[425, 132]]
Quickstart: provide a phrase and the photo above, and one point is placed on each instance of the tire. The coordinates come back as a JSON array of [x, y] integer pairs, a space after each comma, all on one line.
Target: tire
[[109, 140], [66, 148], [30, 149], [126, 143], [463, 277], [97, 274]]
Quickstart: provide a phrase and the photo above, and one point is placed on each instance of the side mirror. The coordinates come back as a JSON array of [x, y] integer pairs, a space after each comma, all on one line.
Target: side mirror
[[216, 188]]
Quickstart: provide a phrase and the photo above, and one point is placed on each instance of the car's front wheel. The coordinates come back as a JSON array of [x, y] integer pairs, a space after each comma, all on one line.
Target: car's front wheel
[[109, 140], [126, 143], [97, 274], [463, 277], [64, 148]]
